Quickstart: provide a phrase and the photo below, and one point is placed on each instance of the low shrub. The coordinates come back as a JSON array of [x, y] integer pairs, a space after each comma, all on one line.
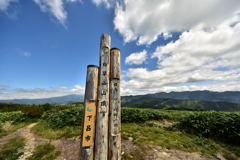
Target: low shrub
[[224, 126], [9, 116], [60, 118], [32, 111], [46, 106], [135, 115]]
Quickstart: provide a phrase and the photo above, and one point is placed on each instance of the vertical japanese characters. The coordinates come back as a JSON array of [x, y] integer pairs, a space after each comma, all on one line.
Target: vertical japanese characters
[[115, 107], [101, 140]]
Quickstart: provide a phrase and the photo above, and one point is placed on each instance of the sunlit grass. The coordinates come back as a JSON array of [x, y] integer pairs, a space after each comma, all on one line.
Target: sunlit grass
[[10, 150], [13, 128], [45, 152], [145, 135], [41, 129]]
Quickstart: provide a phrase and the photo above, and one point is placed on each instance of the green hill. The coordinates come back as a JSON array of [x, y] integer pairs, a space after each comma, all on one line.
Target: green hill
[[174, 104]]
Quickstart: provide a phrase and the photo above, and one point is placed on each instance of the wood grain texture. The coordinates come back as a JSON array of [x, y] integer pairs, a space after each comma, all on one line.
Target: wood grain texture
[[101, 138], [115, 107], [115, 63], [87, 152]]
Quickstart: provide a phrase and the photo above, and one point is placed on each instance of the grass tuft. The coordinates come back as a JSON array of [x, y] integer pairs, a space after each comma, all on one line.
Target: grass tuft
[[41, 129], [151, 135], [10, 150], [13, 128], [45, 152]]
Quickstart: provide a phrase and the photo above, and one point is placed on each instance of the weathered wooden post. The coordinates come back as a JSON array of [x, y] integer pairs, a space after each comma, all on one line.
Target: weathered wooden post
[[88, 123], [115, 107], [101, 138]]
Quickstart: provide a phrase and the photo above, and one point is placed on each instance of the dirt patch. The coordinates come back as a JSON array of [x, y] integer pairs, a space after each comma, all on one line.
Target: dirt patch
[[150, 152], [7, 125], [69, 147]]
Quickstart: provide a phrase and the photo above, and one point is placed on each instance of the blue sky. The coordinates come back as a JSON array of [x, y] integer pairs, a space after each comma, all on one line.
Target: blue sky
[[166, 45]]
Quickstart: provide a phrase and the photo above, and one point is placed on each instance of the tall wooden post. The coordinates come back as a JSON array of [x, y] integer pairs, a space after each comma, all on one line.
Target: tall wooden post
[[115, 107], [101, 138], [88, 122]]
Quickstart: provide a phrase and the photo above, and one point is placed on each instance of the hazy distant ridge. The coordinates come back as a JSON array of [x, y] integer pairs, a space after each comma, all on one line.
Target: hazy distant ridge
[[54, 100], [228, 96]]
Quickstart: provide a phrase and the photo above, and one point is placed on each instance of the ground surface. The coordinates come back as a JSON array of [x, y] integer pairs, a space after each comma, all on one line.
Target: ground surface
[[70, 148]]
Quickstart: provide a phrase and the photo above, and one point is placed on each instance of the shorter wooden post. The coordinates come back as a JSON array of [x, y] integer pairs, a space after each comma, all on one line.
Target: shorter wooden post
[[89, 114], [115, 107]]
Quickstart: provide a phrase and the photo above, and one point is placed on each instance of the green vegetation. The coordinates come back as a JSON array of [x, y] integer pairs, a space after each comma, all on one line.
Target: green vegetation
[[153, 134], [175, 104], [10, 107], [43, 130], [222, 126], [228, 96], [45, 152], [207, 132], [13, 128], [10, 150], [9, 116], [60, 118]]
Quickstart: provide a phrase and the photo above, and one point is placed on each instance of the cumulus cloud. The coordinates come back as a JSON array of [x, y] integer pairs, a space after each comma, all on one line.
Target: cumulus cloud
[[4, 4], [147, 20], [136, 58], [78, 87], [199, 55], [212, 86]]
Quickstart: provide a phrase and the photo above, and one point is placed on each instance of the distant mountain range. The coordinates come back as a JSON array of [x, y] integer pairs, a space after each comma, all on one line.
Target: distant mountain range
[[54, 100], [192, 100], [229, 96]]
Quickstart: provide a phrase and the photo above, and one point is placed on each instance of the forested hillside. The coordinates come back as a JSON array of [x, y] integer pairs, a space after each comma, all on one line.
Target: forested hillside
[[228, 96], [175, 104]]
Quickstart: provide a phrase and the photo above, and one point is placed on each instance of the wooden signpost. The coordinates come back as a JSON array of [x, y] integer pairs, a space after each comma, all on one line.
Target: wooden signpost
[[89, 114], [114, 108], [101, 139]]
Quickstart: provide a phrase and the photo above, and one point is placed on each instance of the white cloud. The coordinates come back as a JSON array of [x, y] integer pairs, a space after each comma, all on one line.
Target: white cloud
[[78, 87], [107, 3], [167, 35], [145, 20], [136, 58], [206, 55], [4, 4], [36, 93], [55, 8], [10, 8], [26, 54], [74, 1], [203, 49], [23, 52], [62, 87], [199, 60]]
